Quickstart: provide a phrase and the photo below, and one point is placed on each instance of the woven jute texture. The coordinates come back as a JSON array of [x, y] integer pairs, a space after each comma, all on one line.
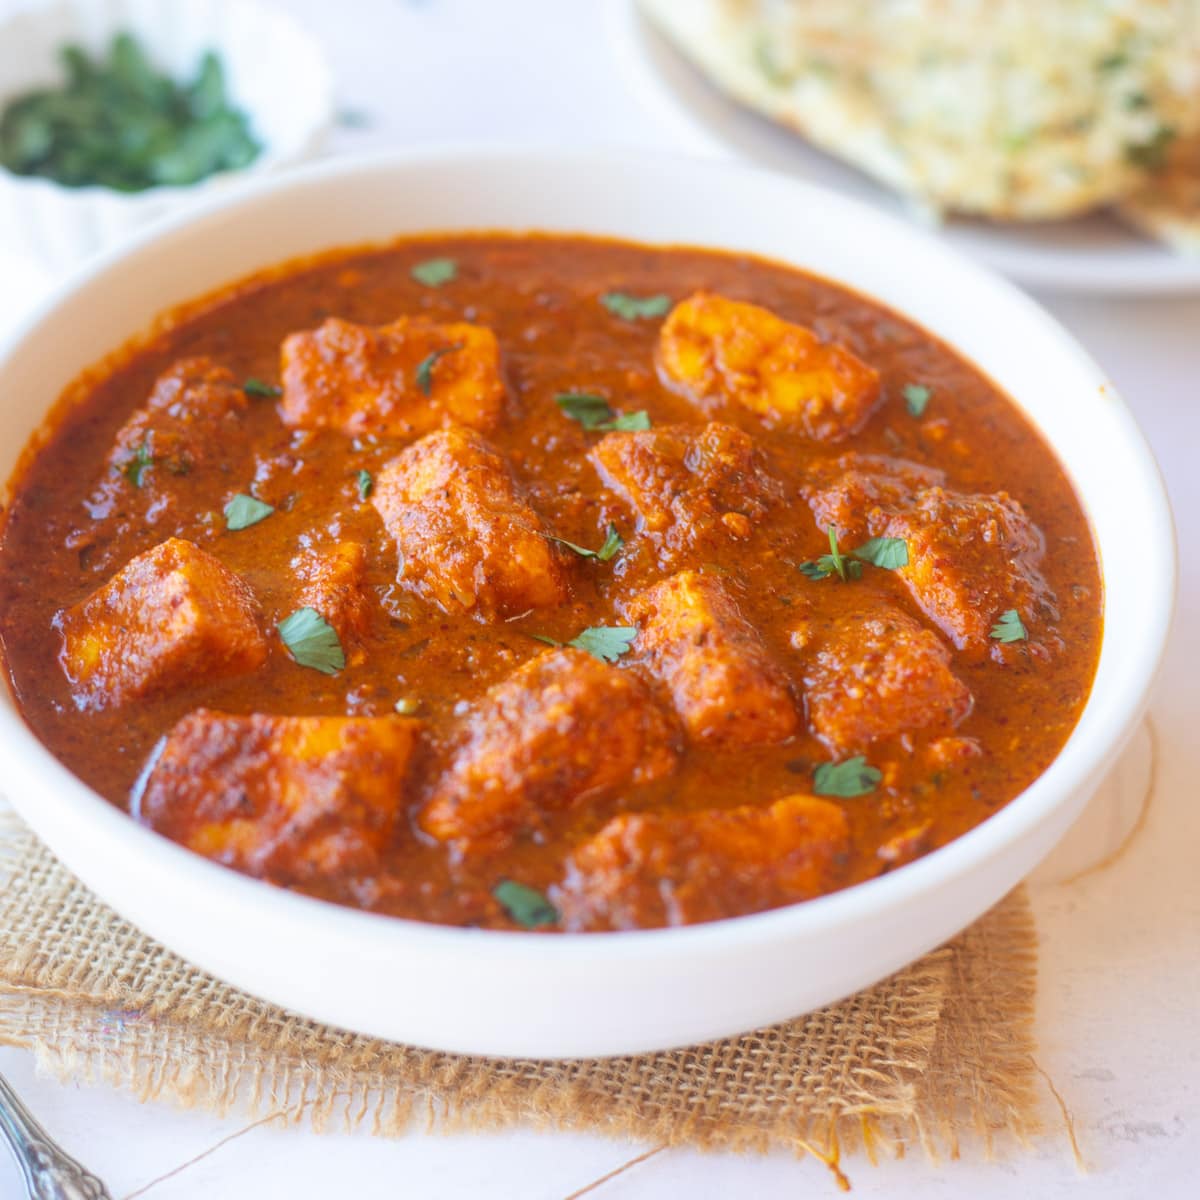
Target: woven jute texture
[[939, 1053]]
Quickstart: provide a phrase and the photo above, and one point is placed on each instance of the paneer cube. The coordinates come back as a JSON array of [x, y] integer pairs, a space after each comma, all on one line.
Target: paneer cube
[[562, 727], [465, 535], [173, 617], [168, 464], [647, 869], [289, 799], [689, 487], [721, 352], [858, 492], [877, 674], [971, 559], [186, 424], [332, 581], [393, 380], [724, 684]]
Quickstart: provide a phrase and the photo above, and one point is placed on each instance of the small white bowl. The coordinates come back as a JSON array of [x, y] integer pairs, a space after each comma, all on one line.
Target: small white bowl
[[490, 992], [274, 72]]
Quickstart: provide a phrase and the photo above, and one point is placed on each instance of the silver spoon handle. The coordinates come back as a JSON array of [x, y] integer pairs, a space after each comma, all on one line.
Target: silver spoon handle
[[50, 1172]]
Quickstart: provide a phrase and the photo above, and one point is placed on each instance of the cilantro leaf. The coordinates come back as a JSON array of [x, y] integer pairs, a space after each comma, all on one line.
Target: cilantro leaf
[[582, 551], [854, 777], [433, 272], [1010, 628], [595, 412], [424, 373], [605, 642], [631, 308], [589, 410], [313, 642], [116, 122], [886, 552], [133, 468], [817, 568], [525, 905], [243, 511], [612, 543], [831, 563], [365, 484], [633, 422], [840, 565], [916, 397], [256, 389]]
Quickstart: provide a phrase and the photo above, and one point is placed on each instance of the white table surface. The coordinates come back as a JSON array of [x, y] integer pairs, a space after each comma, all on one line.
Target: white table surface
[[1118, 1023]]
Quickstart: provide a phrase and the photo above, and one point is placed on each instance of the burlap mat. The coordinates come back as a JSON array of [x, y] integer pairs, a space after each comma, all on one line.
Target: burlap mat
[[939, 1052]]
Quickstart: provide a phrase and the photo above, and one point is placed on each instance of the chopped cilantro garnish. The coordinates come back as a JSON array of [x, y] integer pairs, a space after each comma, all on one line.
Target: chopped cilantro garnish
[[854, 777], [424, 374], [118, 122], [243, 511], [633, 308], [595, 412], [845, 569], [589, 410], [916, 397], [261, 391], [886, 552], [132, 470], [1010, 628], [525, 905], [633, 422], [433, 272], [833, 563], [313, 642], [365, 484], [605, 642], [612, 543]]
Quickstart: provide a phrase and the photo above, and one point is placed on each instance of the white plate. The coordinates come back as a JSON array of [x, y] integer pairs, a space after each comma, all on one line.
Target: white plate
[[1095, 254], [492, 992]]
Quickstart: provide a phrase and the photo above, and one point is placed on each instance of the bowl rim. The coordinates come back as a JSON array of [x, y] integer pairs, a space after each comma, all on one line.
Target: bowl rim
[[318, 84], [1072, 769]]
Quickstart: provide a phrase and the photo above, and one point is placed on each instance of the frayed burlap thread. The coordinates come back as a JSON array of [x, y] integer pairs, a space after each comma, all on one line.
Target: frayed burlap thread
[[939, 1053]]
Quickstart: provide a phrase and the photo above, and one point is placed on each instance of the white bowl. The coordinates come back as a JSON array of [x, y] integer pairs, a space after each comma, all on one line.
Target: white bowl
[[503, 993], [274, 72]]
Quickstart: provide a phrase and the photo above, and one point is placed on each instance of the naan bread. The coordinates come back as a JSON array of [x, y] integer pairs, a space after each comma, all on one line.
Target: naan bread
[[1010, 109], [1168, 207]]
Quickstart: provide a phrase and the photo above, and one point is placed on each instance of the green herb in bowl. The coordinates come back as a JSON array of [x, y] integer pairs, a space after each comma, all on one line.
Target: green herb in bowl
[[119, 123]]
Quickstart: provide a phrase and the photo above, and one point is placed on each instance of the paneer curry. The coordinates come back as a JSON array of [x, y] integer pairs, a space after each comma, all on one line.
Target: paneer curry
[[547, 582]]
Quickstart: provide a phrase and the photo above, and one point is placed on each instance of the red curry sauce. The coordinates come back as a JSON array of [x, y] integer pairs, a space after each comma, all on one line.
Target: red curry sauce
[[75, 521]]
